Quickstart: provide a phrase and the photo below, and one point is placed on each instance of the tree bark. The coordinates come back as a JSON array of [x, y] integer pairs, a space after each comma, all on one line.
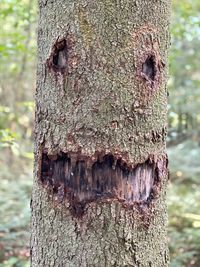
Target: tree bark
[[100, 159]]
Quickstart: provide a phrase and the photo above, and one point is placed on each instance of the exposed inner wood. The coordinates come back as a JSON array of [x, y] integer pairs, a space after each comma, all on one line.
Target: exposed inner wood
[[107, 177]]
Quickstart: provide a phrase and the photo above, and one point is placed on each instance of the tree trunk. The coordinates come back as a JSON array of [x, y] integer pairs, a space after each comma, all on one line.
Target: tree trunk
[[100, 160]]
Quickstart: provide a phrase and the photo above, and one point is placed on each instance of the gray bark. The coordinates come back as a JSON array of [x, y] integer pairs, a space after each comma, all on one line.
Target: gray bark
[[100, 159]]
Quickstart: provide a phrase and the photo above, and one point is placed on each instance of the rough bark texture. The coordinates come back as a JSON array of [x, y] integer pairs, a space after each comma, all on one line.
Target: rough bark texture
[[100, 160]]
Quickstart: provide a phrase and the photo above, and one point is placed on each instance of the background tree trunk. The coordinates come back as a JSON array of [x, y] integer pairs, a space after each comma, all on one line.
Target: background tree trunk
[[100, 160]]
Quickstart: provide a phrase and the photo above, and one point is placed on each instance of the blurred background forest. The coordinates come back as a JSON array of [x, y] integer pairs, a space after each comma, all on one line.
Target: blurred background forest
[[18, 20]]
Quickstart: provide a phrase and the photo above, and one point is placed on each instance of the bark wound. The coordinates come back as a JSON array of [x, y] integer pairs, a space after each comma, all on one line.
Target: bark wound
[[58, 60], [107, 178], [149, 68]]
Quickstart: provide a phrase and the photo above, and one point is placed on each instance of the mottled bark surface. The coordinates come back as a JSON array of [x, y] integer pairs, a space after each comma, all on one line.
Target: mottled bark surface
[[100, 160]]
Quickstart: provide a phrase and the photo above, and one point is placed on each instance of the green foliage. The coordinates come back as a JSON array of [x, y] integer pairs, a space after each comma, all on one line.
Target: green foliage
[[15, 193], [184, 120], [184, 204], [17, 82], [16, 18], [15, 262], [184, 82]]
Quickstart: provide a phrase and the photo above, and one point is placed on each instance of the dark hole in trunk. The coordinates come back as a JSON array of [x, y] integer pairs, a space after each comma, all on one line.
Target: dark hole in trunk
[[149, 68], [60, 56]]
